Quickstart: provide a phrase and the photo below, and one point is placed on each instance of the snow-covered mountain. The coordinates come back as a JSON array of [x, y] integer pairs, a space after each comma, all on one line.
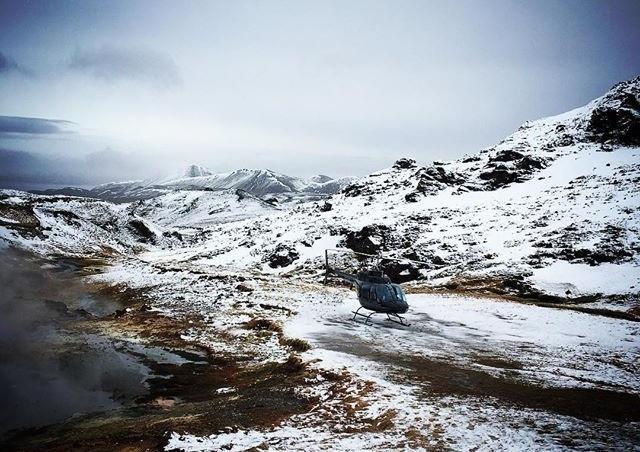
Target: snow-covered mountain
[[551, 212], [258, 182]]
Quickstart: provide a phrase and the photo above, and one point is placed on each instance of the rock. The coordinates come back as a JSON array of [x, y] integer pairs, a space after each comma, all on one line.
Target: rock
[[435, 178], [507, 156], [244, 288], [617, 118], [404, 163], [411, 197], [369, 240], [400, 271], [283, 256], [530, 163], [499, 177], [141, 231], [326, 207], [616, 125], [352, 190]]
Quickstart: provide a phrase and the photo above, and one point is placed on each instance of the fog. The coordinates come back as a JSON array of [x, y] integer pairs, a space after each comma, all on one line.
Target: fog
[[48, 371]]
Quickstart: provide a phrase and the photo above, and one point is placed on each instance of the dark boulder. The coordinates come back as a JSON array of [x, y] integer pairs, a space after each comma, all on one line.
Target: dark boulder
[[244, 288], [400, 271], [411, 197], [617, 125], [404, 163], [530, 163], [499, 176], [326, 207], [435, 178], [141, 231], [282, 256], [374, 238], [507, 156], [369, 240]]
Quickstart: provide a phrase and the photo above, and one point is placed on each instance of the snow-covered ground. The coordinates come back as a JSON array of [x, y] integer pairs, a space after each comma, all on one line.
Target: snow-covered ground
[[483, 349]]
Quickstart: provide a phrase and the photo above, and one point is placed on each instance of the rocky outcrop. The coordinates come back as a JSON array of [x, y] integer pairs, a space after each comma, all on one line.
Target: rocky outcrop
[[435, 178], [617, 119], [374, 238], [142, 232], [405, 163], [282, 256]]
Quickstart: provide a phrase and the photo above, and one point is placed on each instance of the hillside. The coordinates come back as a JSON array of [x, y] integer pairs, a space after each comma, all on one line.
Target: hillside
[[551, 210]]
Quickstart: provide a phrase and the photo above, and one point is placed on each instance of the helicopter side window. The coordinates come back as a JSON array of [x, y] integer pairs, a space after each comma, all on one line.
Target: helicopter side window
[[372, 294]]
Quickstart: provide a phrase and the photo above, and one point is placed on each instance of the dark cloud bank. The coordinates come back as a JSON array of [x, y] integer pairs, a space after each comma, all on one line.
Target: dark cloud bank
[[10, 125]]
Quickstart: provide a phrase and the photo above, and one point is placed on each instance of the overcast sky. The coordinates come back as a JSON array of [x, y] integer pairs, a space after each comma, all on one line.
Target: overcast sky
[[301, 87]]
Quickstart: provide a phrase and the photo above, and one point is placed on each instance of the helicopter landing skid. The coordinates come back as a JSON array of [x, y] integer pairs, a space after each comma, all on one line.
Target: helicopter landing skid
[[392, 317], [395, 318]]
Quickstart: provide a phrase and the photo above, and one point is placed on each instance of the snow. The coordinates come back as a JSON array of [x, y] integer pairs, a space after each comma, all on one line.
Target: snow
[[554, 347], [605, 278], [446, 328]]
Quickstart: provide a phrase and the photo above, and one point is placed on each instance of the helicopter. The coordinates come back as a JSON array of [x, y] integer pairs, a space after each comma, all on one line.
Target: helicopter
[[376, 292]]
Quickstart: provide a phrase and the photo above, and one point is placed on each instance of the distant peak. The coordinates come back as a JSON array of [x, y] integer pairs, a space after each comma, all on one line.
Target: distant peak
[[196, 171]]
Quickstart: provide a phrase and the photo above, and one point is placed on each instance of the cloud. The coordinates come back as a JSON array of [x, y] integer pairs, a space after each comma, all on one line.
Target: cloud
[[114, 64], [8, 65], [26, 170], [16, 126]]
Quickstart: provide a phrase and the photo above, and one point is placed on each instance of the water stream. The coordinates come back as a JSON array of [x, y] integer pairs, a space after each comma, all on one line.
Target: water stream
[[48, 370]]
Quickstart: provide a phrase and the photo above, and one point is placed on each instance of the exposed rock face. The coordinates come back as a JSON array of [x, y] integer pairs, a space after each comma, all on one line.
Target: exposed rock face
[[374, 238], [283, 256], [499, 176], [141, 231], [405, 163], [434, 178], [244, 288], [510, 166], [326, 207], [507, 156], [617, 119], [400, 272], [412, 197]]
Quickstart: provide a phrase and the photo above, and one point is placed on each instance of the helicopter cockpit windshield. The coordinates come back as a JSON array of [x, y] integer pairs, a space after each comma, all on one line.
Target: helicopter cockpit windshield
[[387, 293], [398, 292]]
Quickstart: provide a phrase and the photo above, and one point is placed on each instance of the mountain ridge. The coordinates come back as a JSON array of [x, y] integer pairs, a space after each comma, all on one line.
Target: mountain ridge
[[259, 182]]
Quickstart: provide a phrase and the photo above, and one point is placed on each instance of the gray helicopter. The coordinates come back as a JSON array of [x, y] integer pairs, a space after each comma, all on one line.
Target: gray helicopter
[[376, 292]]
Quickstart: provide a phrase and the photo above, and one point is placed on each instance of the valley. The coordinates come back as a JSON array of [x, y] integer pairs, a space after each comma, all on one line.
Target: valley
[[521, 265]]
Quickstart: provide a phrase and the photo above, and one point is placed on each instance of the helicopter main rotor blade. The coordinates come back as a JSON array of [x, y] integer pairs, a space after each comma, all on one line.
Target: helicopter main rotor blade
[[379, 256]]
